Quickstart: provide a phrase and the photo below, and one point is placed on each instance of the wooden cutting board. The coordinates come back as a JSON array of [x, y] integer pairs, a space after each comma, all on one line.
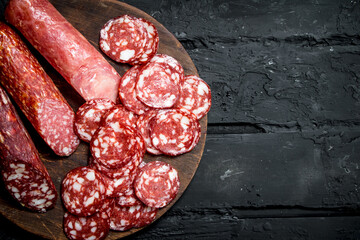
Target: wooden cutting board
[[88, 16]]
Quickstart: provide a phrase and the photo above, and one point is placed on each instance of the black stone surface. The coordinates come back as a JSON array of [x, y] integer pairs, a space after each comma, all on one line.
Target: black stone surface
[[282, 157]]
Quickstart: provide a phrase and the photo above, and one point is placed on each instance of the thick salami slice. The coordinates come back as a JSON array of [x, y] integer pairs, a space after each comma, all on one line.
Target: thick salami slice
[[119, 114], [123, 39], [157, 184], [156, 87], [64, 48], [124, 218], [36, 94], [127, 92], [143, 124], [172, 132], [114, 145], [95, 227], [195, 96], [89, 115], [151, 45], [173, 67], [83, 191], [23, 173]]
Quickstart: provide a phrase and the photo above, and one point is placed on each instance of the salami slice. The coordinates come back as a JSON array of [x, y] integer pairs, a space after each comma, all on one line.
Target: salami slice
[[156, 87], [124, 218], [95, 227], [89, 115], [127, 92], [128, 199], [123, 39], [117, 186], [195, 96], [143, 124], [23, 173], [36, 94], [172, 132], [114, 145], [64, 48], [83, 191], [157, 184], [147, 216], [119, 114], [173, 67]]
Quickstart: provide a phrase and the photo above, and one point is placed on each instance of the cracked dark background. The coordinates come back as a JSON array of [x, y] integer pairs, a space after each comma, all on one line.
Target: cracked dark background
[[282, 156]]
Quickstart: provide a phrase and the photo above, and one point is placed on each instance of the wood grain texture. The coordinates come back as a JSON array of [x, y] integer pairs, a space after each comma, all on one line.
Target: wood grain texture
[[88, 17]]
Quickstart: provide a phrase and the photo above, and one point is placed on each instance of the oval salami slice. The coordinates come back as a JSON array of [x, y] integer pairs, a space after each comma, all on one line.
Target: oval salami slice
[[127, 92], [113, 145], [195, 96], [95, 227], [89, 115], [155, 87], [157, 184], [172, 132], [119, 114], [83, 191], [123, 39], [143, 124]]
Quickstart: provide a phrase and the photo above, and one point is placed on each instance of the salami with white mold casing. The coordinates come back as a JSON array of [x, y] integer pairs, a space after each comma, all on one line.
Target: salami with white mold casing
[[23, 173], [36, 94], [64, 47]]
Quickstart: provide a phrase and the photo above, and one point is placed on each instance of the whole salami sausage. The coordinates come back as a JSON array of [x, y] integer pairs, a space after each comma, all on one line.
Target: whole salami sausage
[[65, 48], [23, 173], [36, 94]]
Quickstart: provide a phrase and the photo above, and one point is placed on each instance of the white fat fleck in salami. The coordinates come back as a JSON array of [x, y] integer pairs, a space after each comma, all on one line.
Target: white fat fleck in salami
[[157, 184], [155, 87], [127, 92], [95, 227], [89, 115], [143, 124], [114, 145], [172, 132], [83, 190], [195, 96], [123, 39]]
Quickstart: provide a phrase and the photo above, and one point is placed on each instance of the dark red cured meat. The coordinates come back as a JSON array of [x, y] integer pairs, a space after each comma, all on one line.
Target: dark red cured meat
[[124, 218], [151, 45], [114, 145], [143, 125], [128, 198], [196, 128], [83, 191], [195, 96], [95, 227], [119, 114], [64, 48], [157, 184], [156, 87], [147, 216], [123, 39], [127, 92], [116, 186], [36, 94], [173, 67], [107, 206], [172, 132], [23, 173], [89, 115]]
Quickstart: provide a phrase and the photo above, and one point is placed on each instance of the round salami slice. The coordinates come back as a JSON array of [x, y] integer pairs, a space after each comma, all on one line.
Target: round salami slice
[[172, 132], [123, 39], [143, 125], [195, 96], [151, 45], [127, 93], [173, 67], [124, 218], [113, 145], [157, 184], [83, 191], [119, 114], [155, 87], [88, 117], [95, 227]]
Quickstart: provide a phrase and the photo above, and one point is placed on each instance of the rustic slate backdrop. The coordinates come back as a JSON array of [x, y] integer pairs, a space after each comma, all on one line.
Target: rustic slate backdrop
[[282, 158]]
